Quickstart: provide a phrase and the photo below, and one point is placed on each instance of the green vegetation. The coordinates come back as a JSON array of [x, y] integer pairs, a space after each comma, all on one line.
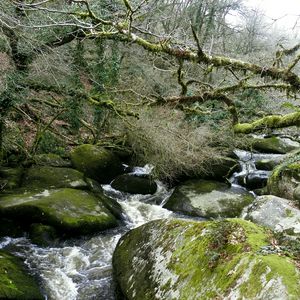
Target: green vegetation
[[15, 283], [209, 260]]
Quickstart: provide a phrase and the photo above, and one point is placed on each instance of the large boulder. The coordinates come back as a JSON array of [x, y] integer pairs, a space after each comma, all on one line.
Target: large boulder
[[134, 184], [221, 167], [285, 179], [275, 144], [15, 283], [44, 177], [96, 162], [208, 199], [268, 164], [176, 259], [69, 211], [276, 213]]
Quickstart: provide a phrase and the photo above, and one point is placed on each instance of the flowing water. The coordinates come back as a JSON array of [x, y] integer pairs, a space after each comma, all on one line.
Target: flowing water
[[81, 269]]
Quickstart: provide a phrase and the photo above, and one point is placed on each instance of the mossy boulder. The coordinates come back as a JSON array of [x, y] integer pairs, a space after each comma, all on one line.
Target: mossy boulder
[[275, 144], [208, 199], [15, 282], [10, 178], [221, 167], [134, 184], [268, 164], [51, 159], [285, 178], [45, 177], [96, 162], [69, 211], [279, 214], [42, 235], [176, 259]]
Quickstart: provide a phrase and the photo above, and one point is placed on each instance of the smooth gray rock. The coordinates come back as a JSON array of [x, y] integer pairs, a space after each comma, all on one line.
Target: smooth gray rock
[[208, 199], [279, 214]]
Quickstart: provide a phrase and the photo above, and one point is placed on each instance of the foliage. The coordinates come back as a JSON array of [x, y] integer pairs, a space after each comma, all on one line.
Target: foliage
[[162, 138], [49, 143]]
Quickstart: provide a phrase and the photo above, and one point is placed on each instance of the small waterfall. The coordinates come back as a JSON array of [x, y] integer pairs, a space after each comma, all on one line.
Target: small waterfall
[[249, 176], [81, 269]]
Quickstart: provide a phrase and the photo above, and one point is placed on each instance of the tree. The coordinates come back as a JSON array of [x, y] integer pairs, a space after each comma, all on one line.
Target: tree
[[128, 22]]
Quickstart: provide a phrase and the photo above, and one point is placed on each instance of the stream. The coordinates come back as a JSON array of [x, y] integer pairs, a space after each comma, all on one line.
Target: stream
[[81, 269]]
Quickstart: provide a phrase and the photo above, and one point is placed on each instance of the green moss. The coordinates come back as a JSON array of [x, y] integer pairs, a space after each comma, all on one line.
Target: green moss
[[68, 210], [15, 283], [209, 199], [96, 162], [45, 177], [285, 269], [285, 177], [178, 259]]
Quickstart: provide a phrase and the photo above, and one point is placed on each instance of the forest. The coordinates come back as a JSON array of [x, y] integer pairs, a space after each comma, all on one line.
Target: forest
[[123, 123]]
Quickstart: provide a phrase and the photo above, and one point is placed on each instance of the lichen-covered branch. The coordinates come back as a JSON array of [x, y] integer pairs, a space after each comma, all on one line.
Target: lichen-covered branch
[[274, 121], [182, 100]]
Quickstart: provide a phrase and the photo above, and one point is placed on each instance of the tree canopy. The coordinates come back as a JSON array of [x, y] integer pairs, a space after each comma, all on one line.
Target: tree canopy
[[213, 59]]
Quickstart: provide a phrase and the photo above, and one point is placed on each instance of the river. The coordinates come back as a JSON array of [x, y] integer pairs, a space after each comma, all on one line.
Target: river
[[81, 269]]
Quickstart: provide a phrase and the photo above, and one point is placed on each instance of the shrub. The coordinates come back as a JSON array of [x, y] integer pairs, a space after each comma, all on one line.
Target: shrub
[[162, 138]]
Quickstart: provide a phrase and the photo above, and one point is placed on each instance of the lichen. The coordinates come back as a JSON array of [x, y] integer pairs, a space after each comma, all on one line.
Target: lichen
[[178, 259]]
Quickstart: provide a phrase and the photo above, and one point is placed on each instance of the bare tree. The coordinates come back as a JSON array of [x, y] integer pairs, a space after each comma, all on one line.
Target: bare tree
[[124, 22]]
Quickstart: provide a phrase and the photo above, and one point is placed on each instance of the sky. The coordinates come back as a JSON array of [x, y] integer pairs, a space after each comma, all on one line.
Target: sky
[[286, 11]]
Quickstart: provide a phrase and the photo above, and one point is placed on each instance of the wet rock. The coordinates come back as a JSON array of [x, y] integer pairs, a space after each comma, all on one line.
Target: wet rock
[[221, 168], [268, 164], [275, 145], [96, 162], [176, 259], [42, 235], [15, 282], [134, 184], [276, 213], [208, 199], [51, 159], [114, 207], [69, 211], [45, 177], [254, 179]]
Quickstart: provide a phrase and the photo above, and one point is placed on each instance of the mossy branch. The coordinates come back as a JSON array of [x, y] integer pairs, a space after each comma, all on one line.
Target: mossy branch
[[274, 121]]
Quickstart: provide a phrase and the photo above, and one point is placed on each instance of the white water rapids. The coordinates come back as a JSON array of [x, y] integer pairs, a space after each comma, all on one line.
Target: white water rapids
[[82, 269]]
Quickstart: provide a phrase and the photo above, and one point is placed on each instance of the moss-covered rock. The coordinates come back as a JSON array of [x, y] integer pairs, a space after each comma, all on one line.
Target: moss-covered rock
[[42, 235], [209, 199], [134, 184], [51, 159], [69, 211], [10, 178], [275, 145], [276, 213], [221, 167], [15, 283], [285, 178], [96, 162], [268, 164], [176, 259], [45, 177]]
